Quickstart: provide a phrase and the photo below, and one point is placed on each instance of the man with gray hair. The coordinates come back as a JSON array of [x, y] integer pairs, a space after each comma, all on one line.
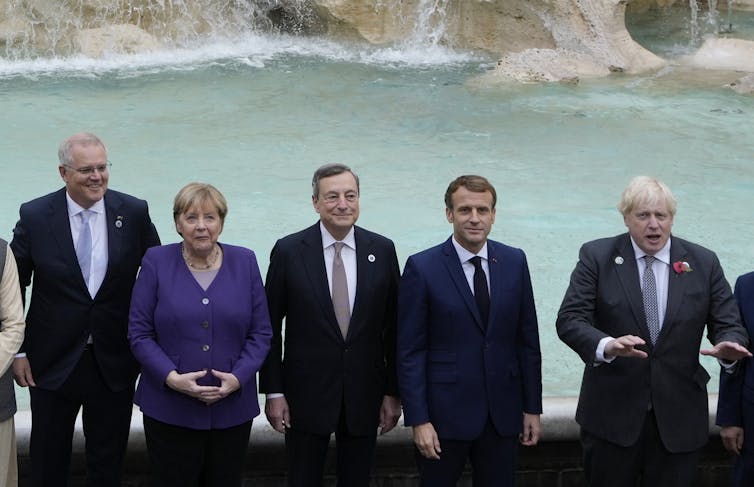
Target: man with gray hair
[[335, 285], [83, 244], [635, 312], [11, 336]]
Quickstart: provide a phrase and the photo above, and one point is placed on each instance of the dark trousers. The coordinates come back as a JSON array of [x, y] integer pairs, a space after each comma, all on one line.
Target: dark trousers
[[493, 461], [647, 463], [106, 419], [743, 470], [185, 457], [307, 453]]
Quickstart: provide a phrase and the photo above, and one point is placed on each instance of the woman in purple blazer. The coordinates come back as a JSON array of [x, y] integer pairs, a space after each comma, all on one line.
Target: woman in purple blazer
[[200, 329]]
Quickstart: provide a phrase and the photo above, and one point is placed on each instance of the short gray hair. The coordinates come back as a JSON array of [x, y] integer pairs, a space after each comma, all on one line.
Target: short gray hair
[[328, 170], [65, 151]]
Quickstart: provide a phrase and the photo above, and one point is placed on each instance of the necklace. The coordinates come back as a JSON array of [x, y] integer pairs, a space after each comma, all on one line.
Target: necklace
[[210, 260]]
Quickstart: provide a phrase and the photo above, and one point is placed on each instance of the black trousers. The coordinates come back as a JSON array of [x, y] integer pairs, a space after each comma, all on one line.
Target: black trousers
[[106, 418], [493, 461], [647, 463], [307, 453], [185, 457]]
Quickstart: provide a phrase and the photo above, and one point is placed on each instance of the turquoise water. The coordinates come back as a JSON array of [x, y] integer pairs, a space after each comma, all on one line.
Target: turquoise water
[[256, 117]]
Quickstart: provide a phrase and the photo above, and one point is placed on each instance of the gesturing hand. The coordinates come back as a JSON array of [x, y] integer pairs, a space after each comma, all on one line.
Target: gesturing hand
[[625, 346]]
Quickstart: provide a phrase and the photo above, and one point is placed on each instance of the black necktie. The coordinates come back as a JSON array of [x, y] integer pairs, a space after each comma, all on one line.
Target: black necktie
[[481, 294]]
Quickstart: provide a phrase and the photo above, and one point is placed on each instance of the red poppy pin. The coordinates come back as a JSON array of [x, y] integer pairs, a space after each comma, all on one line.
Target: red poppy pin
[[681, 267]]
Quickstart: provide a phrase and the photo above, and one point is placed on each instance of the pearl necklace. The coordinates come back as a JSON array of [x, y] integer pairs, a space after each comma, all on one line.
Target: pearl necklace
[[210, 261]]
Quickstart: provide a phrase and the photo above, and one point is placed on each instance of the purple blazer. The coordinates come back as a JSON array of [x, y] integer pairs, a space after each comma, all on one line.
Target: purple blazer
[[175, 325]]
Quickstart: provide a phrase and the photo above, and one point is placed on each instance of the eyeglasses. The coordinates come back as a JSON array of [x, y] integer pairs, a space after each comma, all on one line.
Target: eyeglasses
[[89, 170]]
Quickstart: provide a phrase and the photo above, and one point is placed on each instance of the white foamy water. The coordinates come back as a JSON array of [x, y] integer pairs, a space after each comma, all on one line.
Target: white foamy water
[[254, 50]]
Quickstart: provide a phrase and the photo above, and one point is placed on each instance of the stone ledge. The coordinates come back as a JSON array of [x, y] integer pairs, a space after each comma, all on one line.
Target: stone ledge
[[556, 461]]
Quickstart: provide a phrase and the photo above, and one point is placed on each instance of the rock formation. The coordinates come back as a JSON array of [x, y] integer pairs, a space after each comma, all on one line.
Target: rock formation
[[537, 40]]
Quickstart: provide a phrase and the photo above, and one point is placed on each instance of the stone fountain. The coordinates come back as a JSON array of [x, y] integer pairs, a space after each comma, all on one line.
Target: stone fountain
[[536, 40]]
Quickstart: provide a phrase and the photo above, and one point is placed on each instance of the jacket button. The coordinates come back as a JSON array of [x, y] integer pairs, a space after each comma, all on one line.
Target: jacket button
[[205, 324], [205, 301], [205, 348]]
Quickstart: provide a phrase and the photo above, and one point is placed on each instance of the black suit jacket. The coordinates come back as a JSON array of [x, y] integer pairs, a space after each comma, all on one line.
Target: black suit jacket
[[320, 371], [62, 314], [604, 299]]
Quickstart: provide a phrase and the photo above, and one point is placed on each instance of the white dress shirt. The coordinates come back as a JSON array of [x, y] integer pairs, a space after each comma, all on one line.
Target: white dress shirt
[[347, 254], [98, 226], [468, 268]]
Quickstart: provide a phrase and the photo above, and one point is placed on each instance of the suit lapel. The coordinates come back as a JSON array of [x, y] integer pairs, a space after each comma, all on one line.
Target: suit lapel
[[313, 260], [453, 265], [61, 231], [364, 279], [115, 231], [676, 287], [497, 279], [628, 275]]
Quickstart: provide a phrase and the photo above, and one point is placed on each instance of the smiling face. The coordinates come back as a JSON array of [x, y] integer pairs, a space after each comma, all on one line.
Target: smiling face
[[86, 189], [649, 225], [337, 203], [472, 216], [200, 226]]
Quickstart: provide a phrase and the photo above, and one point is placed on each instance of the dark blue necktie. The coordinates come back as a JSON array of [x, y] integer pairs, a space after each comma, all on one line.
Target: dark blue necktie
[[481, 294]]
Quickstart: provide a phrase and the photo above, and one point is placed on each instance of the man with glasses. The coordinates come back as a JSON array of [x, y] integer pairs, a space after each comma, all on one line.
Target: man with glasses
[[83, 244], [336, 285]]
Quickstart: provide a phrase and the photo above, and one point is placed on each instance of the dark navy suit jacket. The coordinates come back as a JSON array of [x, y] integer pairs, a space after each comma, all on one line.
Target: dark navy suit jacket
[[737, 388], [62, 314], [453, 370]]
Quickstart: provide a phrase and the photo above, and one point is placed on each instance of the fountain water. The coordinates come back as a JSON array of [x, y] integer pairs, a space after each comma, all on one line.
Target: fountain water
[[254, 111]]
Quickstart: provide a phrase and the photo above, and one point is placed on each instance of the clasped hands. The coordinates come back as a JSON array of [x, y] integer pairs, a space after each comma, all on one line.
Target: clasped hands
[[186, 384], [625, 346]]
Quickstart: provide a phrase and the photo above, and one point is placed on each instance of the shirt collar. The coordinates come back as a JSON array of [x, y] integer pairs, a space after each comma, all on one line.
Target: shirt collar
[[663, 255], [328, 240], [464, 255], [74, 208]]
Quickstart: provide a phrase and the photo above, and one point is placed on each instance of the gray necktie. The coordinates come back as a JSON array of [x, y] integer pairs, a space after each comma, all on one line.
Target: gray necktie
[[84, 246], [649, 296], [340, 291]]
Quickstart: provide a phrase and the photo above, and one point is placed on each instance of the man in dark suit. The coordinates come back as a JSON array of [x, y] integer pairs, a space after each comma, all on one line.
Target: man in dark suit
[[469, 363], [735, 405], [83, 244], [335, 284], [635, 312]]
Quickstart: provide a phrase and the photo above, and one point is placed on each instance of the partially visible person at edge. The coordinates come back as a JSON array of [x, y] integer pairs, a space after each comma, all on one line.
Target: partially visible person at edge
[[635, 312], [735, 404], [335, 285], [83, 245], [11, 337], [200, 329], [469, 361]]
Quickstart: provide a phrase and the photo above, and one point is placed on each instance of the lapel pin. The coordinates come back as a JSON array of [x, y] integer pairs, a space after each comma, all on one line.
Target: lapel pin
[[118, 221], [619, 260], [371, 258]]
